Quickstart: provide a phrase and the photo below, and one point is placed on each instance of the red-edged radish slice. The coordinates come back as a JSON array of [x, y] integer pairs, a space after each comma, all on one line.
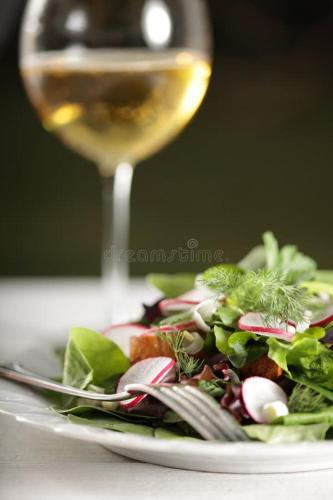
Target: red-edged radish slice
[[171, 306], [323, 318], [121, 334], [186, 325], [261, 396], [254, 322], [147, 371], [185, 301]]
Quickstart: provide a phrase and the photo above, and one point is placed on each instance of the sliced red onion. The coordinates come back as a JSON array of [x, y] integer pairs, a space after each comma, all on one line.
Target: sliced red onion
[[147, 371], [254, 322], [193, 343], [203, 312]]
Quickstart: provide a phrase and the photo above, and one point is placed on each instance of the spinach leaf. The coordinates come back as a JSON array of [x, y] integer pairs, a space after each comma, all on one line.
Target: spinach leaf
[[112, 424], [92, 358], [77, 370]]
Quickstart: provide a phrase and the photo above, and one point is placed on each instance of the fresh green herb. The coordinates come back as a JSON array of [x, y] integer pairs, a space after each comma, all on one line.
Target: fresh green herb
[[187, 364], [266, 292], [303, 399], [261, 291], [224, 278]]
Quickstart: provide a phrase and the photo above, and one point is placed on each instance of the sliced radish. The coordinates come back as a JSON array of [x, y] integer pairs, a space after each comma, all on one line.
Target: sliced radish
[[323, 318], [171, 306], [257, 394], [254, 322], [121, 334], [185, 301], [147, 371], [186, 325]]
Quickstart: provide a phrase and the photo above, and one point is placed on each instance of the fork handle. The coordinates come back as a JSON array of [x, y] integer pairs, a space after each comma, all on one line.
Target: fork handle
[[17, 373]]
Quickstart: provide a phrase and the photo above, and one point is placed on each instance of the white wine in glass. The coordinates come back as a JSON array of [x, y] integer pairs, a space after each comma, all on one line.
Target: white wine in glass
[[116, 92]]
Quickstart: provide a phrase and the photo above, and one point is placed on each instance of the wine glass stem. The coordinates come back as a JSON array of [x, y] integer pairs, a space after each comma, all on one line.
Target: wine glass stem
[[116, 224]]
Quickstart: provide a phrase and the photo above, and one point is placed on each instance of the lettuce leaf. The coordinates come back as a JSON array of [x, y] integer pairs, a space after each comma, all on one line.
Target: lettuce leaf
[[172, 285], [233, 345], [324, 276], [91, 358], [275, 434], [287, 260], [306, 356]]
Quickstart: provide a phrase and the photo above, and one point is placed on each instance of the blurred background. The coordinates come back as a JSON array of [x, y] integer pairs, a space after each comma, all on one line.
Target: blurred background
[[258, 154]]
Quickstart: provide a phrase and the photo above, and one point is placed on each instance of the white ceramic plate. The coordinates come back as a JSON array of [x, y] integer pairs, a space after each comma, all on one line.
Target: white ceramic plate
[[30, 408]]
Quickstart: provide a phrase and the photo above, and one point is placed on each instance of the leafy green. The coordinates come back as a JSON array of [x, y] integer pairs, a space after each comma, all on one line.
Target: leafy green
[[213, 387], [254, 260], [167, 433], [324, 416], [91, 358], [77, 370], [286, 434], [177, 318], [287, 260], [303, 399], [238, 342], [172, 285], [318, 287], [221, 340], [228, 315], [113, 424], [233, 345], [324, 276], [306, 356]]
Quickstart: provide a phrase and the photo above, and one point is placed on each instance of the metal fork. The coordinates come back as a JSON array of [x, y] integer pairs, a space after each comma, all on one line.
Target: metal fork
[[196, 407]]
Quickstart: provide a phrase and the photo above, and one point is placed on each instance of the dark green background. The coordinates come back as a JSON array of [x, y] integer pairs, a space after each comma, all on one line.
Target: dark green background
[[258, 155]]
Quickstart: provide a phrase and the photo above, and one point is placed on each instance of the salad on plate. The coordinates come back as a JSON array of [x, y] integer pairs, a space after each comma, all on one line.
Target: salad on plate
[[257, 336]]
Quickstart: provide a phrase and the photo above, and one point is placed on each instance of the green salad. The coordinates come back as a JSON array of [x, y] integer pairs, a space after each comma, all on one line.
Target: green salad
[[257, 336]]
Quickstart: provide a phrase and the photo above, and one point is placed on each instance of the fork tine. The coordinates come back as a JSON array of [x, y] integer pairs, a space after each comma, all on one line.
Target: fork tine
[[222, 418], [203, 404], [200, 417], [203, 407], [203, 428]]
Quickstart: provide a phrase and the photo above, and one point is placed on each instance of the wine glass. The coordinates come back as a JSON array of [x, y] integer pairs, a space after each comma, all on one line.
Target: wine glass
[[115, 80]]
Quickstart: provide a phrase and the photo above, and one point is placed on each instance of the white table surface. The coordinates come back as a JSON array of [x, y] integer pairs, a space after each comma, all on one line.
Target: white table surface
[[35, 464]]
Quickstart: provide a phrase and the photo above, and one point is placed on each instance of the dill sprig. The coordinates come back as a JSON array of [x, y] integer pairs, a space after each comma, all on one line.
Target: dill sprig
[[303, 399], [187, 364], [261, 291]]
